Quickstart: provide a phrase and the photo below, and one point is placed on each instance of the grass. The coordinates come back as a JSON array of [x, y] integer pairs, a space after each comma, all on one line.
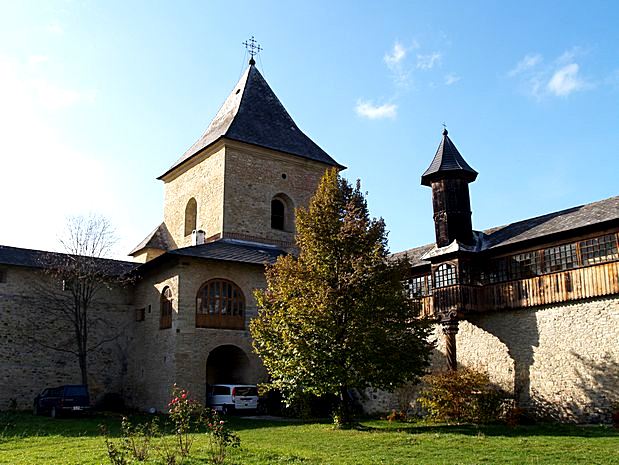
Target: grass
[[25, 439]]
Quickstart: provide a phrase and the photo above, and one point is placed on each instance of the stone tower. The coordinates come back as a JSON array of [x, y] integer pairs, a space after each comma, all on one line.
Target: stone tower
[[449, 176], [242, 179]]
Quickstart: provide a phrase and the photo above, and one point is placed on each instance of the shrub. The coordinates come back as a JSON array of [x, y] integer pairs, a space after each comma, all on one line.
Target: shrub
[[220, 437], [464, 395]]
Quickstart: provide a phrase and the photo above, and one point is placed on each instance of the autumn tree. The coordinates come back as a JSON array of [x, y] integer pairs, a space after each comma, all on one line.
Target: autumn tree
[[71, 291], [336, 317]]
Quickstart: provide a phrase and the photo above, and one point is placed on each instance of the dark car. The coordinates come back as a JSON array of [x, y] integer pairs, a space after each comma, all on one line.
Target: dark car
[[71, 398]]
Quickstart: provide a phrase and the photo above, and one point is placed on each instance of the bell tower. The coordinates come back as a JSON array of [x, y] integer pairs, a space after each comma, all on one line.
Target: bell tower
[[449, 176]]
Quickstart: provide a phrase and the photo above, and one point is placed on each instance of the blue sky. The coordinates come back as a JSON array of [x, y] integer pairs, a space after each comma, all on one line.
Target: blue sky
[[99, 98]]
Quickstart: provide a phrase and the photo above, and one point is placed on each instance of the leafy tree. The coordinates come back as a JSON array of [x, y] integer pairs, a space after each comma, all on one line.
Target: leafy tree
[[71, 291], [336, 317]]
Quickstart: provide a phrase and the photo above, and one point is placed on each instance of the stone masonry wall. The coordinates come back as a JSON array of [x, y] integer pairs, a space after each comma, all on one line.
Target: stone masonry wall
[[202, 179], [26, 367], [560, 361], [253, 177], [161, 357]]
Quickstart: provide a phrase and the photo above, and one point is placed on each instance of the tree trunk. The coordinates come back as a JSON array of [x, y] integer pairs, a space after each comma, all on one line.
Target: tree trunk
[[83, 359], [344, 407]]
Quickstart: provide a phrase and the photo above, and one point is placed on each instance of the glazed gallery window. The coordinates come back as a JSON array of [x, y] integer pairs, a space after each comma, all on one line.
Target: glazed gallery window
[[445, 275], [599, 250], [220, 304], [165, 319], [419, 286]]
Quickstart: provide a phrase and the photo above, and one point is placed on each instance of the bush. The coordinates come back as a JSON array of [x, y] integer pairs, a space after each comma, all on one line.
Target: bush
[[464, 395]]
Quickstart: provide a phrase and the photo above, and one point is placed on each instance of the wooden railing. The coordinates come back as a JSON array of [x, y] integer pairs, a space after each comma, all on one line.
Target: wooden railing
[[205, 320], [581, 283]]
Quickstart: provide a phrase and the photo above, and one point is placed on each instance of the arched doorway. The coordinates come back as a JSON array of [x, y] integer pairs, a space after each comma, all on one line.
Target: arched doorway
[[228, 364]]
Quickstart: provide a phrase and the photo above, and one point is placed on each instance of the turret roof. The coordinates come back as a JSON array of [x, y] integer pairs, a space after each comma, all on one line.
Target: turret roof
[[253, 114], [448, 163]]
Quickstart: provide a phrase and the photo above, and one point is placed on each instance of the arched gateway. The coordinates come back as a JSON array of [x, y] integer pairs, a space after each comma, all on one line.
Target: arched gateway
[[228, 364]]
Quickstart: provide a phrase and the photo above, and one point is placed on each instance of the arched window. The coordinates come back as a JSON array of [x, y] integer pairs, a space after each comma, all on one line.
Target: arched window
[[165, 319], [282, 213], [191, 216], [220, 304], [278, 214], [445, 275]]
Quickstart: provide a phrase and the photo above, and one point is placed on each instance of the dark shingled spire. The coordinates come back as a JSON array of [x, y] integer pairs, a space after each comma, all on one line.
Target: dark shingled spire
[[253, 114], [448, 163]]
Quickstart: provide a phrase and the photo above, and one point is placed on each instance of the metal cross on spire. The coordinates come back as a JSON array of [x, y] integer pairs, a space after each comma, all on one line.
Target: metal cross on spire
[[253, 48], [444, 129]]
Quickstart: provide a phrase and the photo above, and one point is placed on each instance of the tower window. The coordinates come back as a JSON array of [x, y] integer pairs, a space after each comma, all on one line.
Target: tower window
[[278, 214], [282, 213], [191, 216]]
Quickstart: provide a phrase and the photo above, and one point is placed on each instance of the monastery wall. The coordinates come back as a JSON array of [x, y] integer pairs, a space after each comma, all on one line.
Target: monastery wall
[[253, 178], [28, 367], [559, 361], [152, 360]]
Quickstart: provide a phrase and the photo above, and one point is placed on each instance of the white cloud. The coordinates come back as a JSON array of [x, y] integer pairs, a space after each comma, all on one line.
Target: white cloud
[[565, 80], [428, 61], [559, 78], [529, 61], [368, 110], [396, 55], [451, 79]]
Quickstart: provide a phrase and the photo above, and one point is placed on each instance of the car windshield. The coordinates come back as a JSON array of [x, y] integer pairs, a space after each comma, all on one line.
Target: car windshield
[[221, 391], [246, 391], [75, 391]]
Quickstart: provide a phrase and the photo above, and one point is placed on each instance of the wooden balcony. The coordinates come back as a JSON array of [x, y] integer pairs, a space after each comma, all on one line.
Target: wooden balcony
[[565, 286], [205, 320]]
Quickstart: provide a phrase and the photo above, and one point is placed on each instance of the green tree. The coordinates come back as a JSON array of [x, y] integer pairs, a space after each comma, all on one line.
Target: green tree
[[336, 317]]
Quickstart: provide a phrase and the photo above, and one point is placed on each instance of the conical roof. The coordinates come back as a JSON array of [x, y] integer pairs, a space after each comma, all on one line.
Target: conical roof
[[253, 114], [448, 163]]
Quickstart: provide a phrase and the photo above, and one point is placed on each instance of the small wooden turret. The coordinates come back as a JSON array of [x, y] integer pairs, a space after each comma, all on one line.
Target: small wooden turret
[[449, 176]]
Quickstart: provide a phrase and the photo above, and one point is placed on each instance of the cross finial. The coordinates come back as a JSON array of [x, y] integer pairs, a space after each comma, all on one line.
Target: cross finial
[[444, 129], [253, 48]]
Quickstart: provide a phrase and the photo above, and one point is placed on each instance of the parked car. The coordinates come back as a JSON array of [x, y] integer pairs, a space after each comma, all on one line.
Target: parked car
[[70, 398], [229, 398]]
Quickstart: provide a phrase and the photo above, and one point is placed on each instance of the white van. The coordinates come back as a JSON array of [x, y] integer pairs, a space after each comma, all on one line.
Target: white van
[[227, 398]]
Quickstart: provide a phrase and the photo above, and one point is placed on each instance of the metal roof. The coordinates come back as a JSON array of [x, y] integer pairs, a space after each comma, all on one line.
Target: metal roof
[[448, 161], [253, 114], [41, 259], [232, 250], [158, 238]]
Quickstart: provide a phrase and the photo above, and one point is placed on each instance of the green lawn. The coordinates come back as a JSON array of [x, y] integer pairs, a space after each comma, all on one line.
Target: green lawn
[[25, 439]]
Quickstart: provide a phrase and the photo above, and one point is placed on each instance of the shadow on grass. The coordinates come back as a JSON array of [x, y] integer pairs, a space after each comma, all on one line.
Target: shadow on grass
[[23, 425], [548, 430]]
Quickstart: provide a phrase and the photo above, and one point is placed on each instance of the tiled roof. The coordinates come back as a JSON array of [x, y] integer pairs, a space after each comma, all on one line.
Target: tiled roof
[[231, 250], [253, 114], [39, 258], [599, 213], [448, 160], [159, 238]]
